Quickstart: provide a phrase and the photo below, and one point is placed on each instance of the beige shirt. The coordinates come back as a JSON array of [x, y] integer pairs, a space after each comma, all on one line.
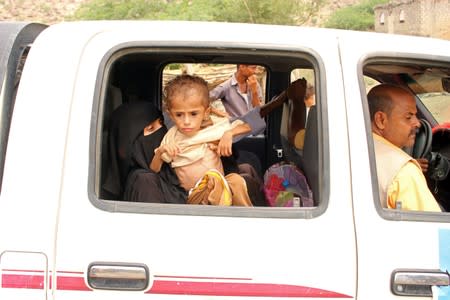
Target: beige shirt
[[196, 156], [400, 179]]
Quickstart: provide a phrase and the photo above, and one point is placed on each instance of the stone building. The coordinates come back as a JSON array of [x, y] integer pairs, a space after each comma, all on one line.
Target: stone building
[[414, 17]]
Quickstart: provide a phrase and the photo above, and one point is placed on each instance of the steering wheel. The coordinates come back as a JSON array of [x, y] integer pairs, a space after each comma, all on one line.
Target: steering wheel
[[422, 144]]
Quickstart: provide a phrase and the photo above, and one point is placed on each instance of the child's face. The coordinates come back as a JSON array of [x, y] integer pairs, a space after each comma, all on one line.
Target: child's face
[[188, 112]]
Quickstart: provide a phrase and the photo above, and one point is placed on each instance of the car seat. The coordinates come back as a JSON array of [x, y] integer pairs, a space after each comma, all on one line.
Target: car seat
[[311, 153], [306, 159]]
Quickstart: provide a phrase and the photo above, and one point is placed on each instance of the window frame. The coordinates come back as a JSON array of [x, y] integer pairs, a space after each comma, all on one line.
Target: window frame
[[232, 54], [398, 59]]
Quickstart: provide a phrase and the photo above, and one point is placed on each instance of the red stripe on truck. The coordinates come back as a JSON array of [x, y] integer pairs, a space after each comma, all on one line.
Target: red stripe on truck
[[35, 280], [182, 286], [237, 289]]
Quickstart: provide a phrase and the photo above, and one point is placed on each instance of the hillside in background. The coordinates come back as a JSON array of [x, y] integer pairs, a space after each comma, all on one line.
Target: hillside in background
[[53, 11], [44, 11]]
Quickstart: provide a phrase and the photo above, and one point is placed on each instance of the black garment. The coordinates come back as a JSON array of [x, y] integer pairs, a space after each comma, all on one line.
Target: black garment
[[126, 123], [143, 185], [143, 148]]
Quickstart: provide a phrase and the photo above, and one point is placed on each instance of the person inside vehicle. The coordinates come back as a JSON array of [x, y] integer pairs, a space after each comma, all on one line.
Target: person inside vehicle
[[195, 145], [135, 130], [402, 184], [125, 123], [142, 184], [241, 92]]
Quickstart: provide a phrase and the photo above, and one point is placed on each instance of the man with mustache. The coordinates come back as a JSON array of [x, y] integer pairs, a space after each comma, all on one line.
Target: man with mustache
[[401, 182]]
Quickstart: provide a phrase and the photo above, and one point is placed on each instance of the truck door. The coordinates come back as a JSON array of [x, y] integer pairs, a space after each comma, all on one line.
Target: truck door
[[401, 254], [107, 248]]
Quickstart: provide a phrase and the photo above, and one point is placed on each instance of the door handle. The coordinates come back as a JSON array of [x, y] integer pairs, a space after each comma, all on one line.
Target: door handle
[[118, 276], [417, 282]]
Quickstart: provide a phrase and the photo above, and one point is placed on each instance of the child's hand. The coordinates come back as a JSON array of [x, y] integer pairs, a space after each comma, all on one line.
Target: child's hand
[[225, 143], [213, 145], [164, 153], [170, 149]]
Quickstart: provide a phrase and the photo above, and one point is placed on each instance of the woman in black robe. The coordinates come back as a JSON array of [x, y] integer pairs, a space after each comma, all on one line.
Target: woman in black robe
[[144, 185], [134, 134]]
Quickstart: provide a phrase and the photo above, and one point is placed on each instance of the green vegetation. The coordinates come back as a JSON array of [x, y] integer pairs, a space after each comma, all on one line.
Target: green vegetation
[[283, 12], [288, 12], [355, 17], [118, 9]]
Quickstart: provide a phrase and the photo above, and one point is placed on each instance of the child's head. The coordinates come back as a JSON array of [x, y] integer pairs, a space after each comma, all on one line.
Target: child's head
[[187, 102]]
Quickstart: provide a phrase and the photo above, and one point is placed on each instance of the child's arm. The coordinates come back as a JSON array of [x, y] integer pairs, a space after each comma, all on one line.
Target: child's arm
[[157, 161], [226, 141], [220, 113]]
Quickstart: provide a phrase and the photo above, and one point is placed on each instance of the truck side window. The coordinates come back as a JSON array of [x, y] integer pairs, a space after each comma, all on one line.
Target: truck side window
[[424, 80], [142, 76]]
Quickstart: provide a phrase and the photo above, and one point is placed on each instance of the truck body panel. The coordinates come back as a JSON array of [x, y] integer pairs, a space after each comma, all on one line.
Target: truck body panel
[[57, 233]]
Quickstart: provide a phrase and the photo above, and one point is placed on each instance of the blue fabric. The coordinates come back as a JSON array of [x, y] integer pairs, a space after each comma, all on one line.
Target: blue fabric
[[255, 121], [235, 104]]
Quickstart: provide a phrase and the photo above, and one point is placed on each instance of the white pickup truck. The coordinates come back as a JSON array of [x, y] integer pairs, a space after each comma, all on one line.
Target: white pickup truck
[[62, 237]]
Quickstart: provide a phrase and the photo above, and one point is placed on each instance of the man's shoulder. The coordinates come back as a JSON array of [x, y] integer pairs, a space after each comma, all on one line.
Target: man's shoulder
[[222, 90], [227, 83], [411, 168]]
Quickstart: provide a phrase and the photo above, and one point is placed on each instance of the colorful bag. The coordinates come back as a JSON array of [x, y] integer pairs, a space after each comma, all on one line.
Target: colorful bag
[[286, 186]]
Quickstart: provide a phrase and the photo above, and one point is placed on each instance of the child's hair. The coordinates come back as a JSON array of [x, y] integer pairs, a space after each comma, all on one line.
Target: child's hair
[[186, 84]]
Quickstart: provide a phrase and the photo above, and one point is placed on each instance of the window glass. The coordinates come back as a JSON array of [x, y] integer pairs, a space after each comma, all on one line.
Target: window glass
[[433, 90], [369, 83], [438, 103], [308, 74]]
